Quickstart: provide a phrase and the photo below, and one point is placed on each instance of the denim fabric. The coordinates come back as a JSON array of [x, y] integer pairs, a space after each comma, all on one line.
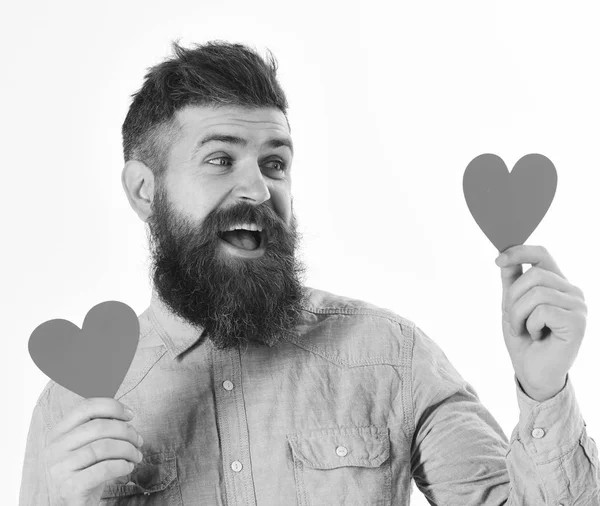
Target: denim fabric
[[348, 413]]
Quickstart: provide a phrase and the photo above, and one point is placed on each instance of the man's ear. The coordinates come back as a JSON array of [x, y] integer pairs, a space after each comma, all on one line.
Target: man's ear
[[138, 183]]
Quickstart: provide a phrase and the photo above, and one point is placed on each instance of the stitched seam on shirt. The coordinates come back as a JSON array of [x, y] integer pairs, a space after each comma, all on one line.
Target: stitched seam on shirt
[[299, 475], [561, 456], [387, 315], [387, 469], [384, 360], [224, 430], [336, 359], [144, 371], [408, 347], [368, 463], [231, 476], [589, 448], [237, 410], [180, 493], [346, 430], [158, 328], [45, 415], [563, 474], [43, 401], [247, 435], [145, 334]]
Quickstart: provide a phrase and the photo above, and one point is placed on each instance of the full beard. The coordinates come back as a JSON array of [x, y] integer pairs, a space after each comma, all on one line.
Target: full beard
[[235, 300]]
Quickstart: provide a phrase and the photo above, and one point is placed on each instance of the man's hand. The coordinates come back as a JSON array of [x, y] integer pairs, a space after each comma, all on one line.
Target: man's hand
[[91, 444], [543, 320]]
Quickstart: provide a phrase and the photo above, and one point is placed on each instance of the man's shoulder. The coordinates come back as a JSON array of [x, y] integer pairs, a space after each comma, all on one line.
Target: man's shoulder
[[324, 302], [351, 331]]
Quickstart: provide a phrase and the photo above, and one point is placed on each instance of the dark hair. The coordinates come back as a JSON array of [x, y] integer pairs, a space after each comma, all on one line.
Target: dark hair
[[211, 74]]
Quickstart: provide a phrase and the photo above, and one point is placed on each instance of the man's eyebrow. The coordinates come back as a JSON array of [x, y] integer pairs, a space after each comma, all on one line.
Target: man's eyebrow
[[234, 139]]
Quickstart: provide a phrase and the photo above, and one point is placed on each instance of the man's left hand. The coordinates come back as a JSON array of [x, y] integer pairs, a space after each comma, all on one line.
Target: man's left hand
[[543, 320]]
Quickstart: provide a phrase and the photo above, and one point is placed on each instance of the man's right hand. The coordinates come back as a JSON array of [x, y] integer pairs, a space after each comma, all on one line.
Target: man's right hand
[[90, 445]]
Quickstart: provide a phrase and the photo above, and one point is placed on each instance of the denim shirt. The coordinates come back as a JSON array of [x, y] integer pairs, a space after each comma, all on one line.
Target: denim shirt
[[353, 410]]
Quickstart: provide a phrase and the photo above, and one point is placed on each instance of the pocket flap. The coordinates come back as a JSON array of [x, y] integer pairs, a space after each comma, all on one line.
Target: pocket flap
[[341, 447], [153, 474]]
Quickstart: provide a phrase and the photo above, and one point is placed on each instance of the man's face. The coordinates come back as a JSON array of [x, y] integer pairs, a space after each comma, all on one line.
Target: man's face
[[222, 230]]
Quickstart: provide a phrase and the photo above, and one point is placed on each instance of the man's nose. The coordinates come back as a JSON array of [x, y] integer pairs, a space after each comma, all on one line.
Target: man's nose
[[251, 185]]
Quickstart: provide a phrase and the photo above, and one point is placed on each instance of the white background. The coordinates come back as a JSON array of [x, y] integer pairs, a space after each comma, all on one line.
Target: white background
[[389, 102]]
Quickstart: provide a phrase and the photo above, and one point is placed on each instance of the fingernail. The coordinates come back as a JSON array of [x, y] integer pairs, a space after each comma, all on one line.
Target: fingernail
[[128, 413], [141, 440]]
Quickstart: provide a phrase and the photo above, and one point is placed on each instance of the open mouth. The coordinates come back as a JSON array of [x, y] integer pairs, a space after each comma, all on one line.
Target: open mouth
[[245, 237]]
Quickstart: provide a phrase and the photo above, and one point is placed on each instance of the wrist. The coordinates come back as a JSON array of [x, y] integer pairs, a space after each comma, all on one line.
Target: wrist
[[541, 395]]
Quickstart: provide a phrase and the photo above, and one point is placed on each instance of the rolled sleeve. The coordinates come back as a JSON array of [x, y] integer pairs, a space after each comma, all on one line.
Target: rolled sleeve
[[551, 428], [551, 437]]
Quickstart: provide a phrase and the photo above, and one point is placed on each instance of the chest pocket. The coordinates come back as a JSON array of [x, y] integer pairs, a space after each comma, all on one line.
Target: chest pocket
[[153, 482], [342, 466]]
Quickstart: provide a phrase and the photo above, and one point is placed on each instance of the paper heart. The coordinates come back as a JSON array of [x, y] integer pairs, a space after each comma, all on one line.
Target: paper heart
[[508, 207], [91, 361]]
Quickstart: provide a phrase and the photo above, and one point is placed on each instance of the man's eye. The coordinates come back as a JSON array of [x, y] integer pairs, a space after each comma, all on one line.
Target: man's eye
[[219, 158], [281, 165]]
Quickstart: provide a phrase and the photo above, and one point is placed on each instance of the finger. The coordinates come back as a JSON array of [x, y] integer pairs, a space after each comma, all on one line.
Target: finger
[[534, 255], [89, 478], [536, 296], [96, 429], [548, 316], [93, 407], [537, 276], [99, 450]]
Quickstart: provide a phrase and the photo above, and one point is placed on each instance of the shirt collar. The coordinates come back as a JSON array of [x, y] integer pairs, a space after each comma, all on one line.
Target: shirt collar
[[177, 334]]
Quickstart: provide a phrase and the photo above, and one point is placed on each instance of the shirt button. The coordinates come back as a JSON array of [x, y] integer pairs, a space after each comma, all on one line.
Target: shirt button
[[228, 385], [342, 451], [236, 465], [538, 433]]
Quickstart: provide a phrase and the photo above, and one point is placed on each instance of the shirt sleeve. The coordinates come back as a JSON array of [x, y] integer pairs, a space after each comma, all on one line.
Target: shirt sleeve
[[34, 491], [550, 447], [460, 455]]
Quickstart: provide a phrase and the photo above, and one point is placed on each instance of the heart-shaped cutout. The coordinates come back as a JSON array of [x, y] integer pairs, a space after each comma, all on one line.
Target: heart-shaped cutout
[[91, 361], [508, 207]]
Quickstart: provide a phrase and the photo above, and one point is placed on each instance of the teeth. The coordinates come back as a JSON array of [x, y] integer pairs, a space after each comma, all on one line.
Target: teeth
[[247, 226]]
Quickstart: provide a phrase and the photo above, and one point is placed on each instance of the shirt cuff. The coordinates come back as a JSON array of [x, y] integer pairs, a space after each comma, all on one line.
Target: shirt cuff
[[551, 428]]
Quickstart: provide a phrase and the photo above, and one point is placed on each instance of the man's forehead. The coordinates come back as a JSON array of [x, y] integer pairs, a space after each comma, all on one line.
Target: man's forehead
[[199, 118]]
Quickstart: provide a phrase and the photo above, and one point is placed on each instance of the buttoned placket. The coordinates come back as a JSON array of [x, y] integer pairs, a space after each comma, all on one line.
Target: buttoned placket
[[233, 427]]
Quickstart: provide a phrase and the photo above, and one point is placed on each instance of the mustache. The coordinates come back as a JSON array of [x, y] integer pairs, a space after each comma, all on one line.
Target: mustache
[[264, 216]]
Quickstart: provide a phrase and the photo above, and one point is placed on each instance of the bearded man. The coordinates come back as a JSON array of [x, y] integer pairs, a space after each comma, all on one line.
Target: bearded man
[[250, 388]]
